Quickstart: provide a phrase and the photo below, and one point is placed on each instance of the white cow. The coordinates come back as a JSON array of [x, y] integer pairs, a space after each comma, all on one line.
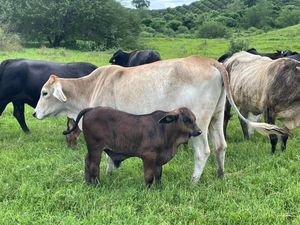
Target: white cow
[[194, 82], [261, 85]]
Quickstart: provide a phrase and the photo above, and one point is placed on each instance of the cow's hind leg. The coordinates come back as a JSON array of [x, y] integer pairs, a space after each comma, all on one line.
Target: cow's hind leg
[[218, 140], [244, 126], [227, 116], [201, 154], [270, 118], [19, 115]]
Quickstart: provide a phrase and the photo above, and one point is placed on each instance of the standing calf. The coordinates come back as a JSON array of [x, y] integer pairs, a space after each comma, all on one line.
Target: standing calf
[[153, 137]]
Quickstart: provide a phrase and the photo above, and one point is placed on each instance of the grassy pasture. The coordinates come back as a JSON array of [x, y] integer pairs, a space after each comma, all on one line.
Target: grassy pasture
[[42, 180]]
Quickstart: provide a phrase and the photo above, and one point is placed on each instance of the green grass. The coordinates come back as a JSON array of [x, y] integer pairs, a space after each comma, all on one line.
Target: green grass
[[42, 180]]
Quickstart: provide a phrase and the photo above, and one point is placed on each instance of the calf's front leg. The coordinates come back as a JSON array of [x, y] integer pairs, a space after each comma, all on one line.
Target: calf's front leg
[[149, 171]]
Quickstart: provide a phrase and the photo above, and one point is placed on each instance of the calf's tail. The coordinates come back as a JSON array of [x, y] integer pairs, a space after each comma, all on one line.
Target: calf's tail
[[82, 112], [263, 128]]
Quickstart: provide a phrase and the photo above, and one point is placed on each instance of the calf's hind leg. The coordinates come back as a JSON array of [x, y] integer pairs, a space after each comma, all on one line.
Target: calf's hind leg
[[92, 162]]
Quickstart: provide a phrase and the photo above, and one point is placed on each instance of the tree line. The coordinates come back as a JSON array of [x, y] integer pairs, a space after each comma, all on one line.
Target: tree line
[[102, 24], [219, 18]]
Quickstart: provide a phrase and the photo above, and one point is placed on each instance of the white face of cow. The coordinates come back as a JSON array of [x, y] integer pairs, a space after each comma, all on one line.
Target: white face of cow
[[52, 99]]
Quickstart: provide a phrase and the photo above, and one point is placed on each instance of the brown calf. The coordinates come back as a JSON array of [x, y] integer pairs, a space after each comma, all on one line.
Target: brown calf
[[152, 137]]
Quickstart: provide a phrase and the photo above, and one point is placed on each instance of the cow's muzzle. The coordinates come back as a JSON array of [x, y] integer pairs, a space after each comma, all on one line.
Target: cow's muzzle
[[196, 133]]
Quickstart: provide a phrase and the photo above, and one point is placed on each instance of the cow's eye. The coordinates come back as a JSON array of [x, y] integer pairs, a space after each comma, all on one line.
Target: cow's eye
[[186, 120], [44, 93]]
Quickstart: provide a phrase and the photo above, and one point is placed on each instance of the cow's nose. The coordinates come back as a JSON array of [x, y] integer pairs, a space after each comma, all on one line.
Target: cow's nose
[[196, 133], [34, 114]]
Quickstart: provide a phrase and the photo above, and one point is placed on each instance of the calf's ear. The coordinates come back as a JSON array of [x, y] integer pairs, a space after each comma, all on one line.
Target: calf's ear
[[169, 118], [58, 93]]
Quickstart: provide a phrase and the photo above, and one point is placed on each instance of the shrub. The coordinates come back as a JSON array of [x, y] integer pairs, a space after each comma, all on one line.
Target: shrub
[[212, 29], [9, 41], [237, 45], [182, 29], [174, 24]]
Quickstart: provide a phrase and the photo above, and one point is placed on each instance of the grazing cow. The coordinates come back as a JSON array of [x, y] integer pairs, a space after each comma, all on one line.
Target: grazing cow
[[153, 137], [268, 87], [193, 82], [21, 81], [134, 58]]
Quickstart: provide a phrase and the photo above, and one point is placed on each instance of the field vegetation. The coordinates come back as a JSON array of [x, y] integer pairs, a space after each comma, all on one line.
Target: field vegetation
[[41, 180]]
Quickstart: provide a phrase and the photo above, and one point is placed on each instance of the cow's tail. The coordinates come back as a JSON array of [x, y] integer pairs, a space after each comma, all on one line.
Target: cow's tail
[[77, 121], [263, 128]]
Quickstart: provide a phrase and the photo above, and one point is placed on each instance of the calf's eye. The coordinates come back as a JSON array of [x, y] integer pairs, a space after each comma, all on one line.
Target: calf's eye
[[44, 93]]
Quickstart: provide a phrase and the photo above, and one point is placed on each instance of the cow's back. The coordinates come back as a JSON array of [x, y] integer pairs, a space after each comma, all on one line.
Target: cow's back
[[24, 78], [248, 77], [193, 82], [143, 57]]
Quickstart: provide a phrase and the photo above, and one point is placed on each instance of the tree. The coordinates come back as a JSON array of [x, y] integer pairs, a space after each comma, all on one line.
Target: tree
[[140, 4], [106, 22], [259, 15], [212, 29]]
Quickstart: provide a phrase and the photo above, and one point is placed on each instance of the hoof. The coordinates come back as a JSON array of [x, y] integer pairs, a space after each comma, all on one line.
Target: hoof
[[220, 174], [195, 179]]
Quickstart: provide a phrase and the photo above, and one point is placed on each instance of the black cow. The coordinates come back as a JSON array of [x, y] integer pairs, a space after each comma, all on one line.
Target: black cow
[[21, 81], [134, 58], [295, 56], [276, 55]]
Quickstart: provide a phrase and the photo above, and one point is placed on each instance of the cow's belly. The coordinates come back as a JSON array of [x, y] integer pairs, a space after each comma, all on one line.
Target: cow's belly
[[201, 98], [290, 116]]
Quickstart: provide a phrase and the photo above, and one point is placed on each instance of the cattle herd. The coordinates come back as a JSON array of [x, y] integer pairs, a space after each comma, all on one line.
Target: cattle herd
[[142, 106]]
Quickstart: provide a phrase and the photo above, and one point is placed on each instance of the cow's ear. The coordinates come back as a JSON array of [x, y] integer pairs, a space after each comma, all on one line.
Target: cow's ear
[[58, 93], [52, 78], [169, 118]]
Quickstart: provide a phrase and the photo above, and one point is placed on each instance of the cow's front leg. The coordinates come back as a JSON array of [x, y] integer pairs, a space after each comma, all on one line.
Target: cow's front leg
[[158, 174], [284, 139], [110, 166], [19, 115]]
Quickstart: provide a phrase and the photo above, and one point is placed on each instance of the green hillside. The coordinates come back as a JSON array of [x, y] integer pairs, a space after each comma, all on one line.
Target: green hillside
[[213, 18]]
